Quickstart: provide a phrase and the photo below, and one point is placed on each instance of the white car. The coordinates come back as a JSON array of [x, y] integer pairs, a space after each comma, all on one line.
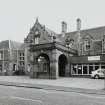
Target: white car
[[99, 73]]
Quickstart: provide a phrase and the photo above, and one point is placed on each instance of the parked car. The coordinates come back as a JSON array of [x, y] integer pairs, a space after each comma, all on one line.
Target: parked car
[[99, 73]]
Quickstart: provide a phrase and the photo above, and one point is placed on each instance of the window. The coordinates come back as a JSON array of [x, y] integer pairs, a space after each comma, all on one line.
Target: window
[[85, 71], [71, 43], [21, 63], [79, 69], [90, 68], [103, 65], [81, 49], [74, 69], [97, 66], [87, 45], [36, 40], [23, 54], [21, 58]]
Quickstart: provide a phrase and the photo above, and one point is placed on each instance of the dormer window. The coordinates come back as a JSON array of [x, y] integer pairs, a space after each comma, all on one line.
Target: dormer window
[[87, 45], [69, 42]]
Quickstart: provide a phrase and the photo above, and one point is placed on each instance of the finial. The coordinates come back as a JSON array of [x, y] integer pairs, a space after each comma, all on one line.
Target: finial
[[37, 20]]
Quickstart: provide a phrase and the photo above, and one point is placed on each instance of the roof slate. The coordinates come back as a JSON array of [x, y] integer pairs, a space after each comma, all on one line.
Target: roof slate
[[4, 44], [9, 44], [15, 45], [97, 33]]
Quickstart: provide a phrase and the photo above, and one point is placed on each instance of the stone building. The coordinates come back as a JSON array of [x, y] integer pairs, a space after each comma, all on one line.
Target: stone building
[[11, 58], [67, 54], [49, 57], [47, 54]]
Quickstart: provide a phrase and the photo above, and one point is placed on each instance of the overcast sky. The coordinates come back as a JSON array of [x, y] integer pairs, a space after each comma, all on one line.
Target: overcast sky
[[18, 16]]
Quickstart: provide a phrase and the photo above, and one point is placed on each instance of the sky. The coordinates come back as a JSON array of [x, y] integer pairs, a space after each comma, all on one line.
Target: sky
[[18, 16]]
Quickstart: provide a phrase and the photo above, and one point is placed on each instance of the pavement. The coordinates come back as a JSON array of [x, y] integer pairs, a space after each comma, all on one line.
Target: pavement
[[80, 85]]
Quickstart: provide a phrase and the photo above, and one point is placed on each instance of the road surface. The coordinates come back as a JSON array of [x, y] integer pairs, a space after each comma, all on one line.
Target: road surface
[[10, 95]]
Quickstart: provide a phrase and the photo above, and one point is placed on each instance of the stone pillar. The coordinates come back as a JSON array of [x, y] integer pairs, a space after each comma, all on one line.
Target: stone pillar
[[68, 67], [26, 64], [34, 69], [54, 65], [10, 56], [33, 72], [10, 71]]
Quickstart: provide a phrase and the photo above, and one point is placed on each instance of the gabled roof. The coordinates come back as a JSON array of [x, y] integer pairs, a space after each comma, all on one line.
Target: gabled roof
[[97, 33], [50, 32], [23, 46], [14, 44], [97, 45], [45, 32], [9, 44], [87, 36], [4, 44]]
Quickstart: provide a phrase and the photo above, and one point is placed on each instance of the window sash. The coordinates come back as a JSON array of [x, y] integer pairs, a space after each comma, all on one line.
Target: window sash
[[36, 40], [87, 45]]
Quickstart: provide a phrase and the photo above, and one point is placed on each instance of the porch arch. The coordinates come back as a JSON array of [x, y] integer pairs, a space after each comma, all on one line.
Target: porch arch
[[43, 63], [62, 65]]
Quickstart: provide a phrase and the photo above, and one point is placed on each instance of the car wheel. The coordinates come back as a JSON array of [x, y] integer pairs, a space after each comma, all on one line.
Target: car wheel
[[96, 76]]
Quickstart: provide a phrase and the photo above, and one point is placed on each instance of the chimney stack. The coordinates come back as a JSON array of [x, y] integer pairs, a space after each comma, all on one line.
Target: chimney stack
[[64, 28], [78, 35], [78, 24]]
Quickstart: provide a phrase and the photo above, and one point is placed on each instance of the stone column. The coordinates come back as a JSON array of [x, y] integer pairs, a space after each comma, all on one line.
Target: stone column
[[68, 69], [54, 65], [33, 72], [26, 62], [34, 68], [10, 71]]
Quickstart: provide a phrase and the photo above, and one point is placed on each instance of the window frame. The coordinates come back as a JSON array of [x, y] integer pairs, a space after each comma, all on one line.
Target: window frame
[[87, 45]]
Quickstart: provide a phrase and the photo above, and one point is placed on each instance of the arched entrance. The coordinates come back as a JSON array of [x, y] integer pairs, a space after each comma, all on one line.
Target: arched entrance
[[62, 63], [43, 65]]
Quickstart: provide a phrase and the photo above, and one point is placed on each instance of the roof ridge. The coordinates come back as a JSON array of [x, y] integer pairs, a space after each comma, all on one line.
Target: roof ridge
[[87, 29]]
